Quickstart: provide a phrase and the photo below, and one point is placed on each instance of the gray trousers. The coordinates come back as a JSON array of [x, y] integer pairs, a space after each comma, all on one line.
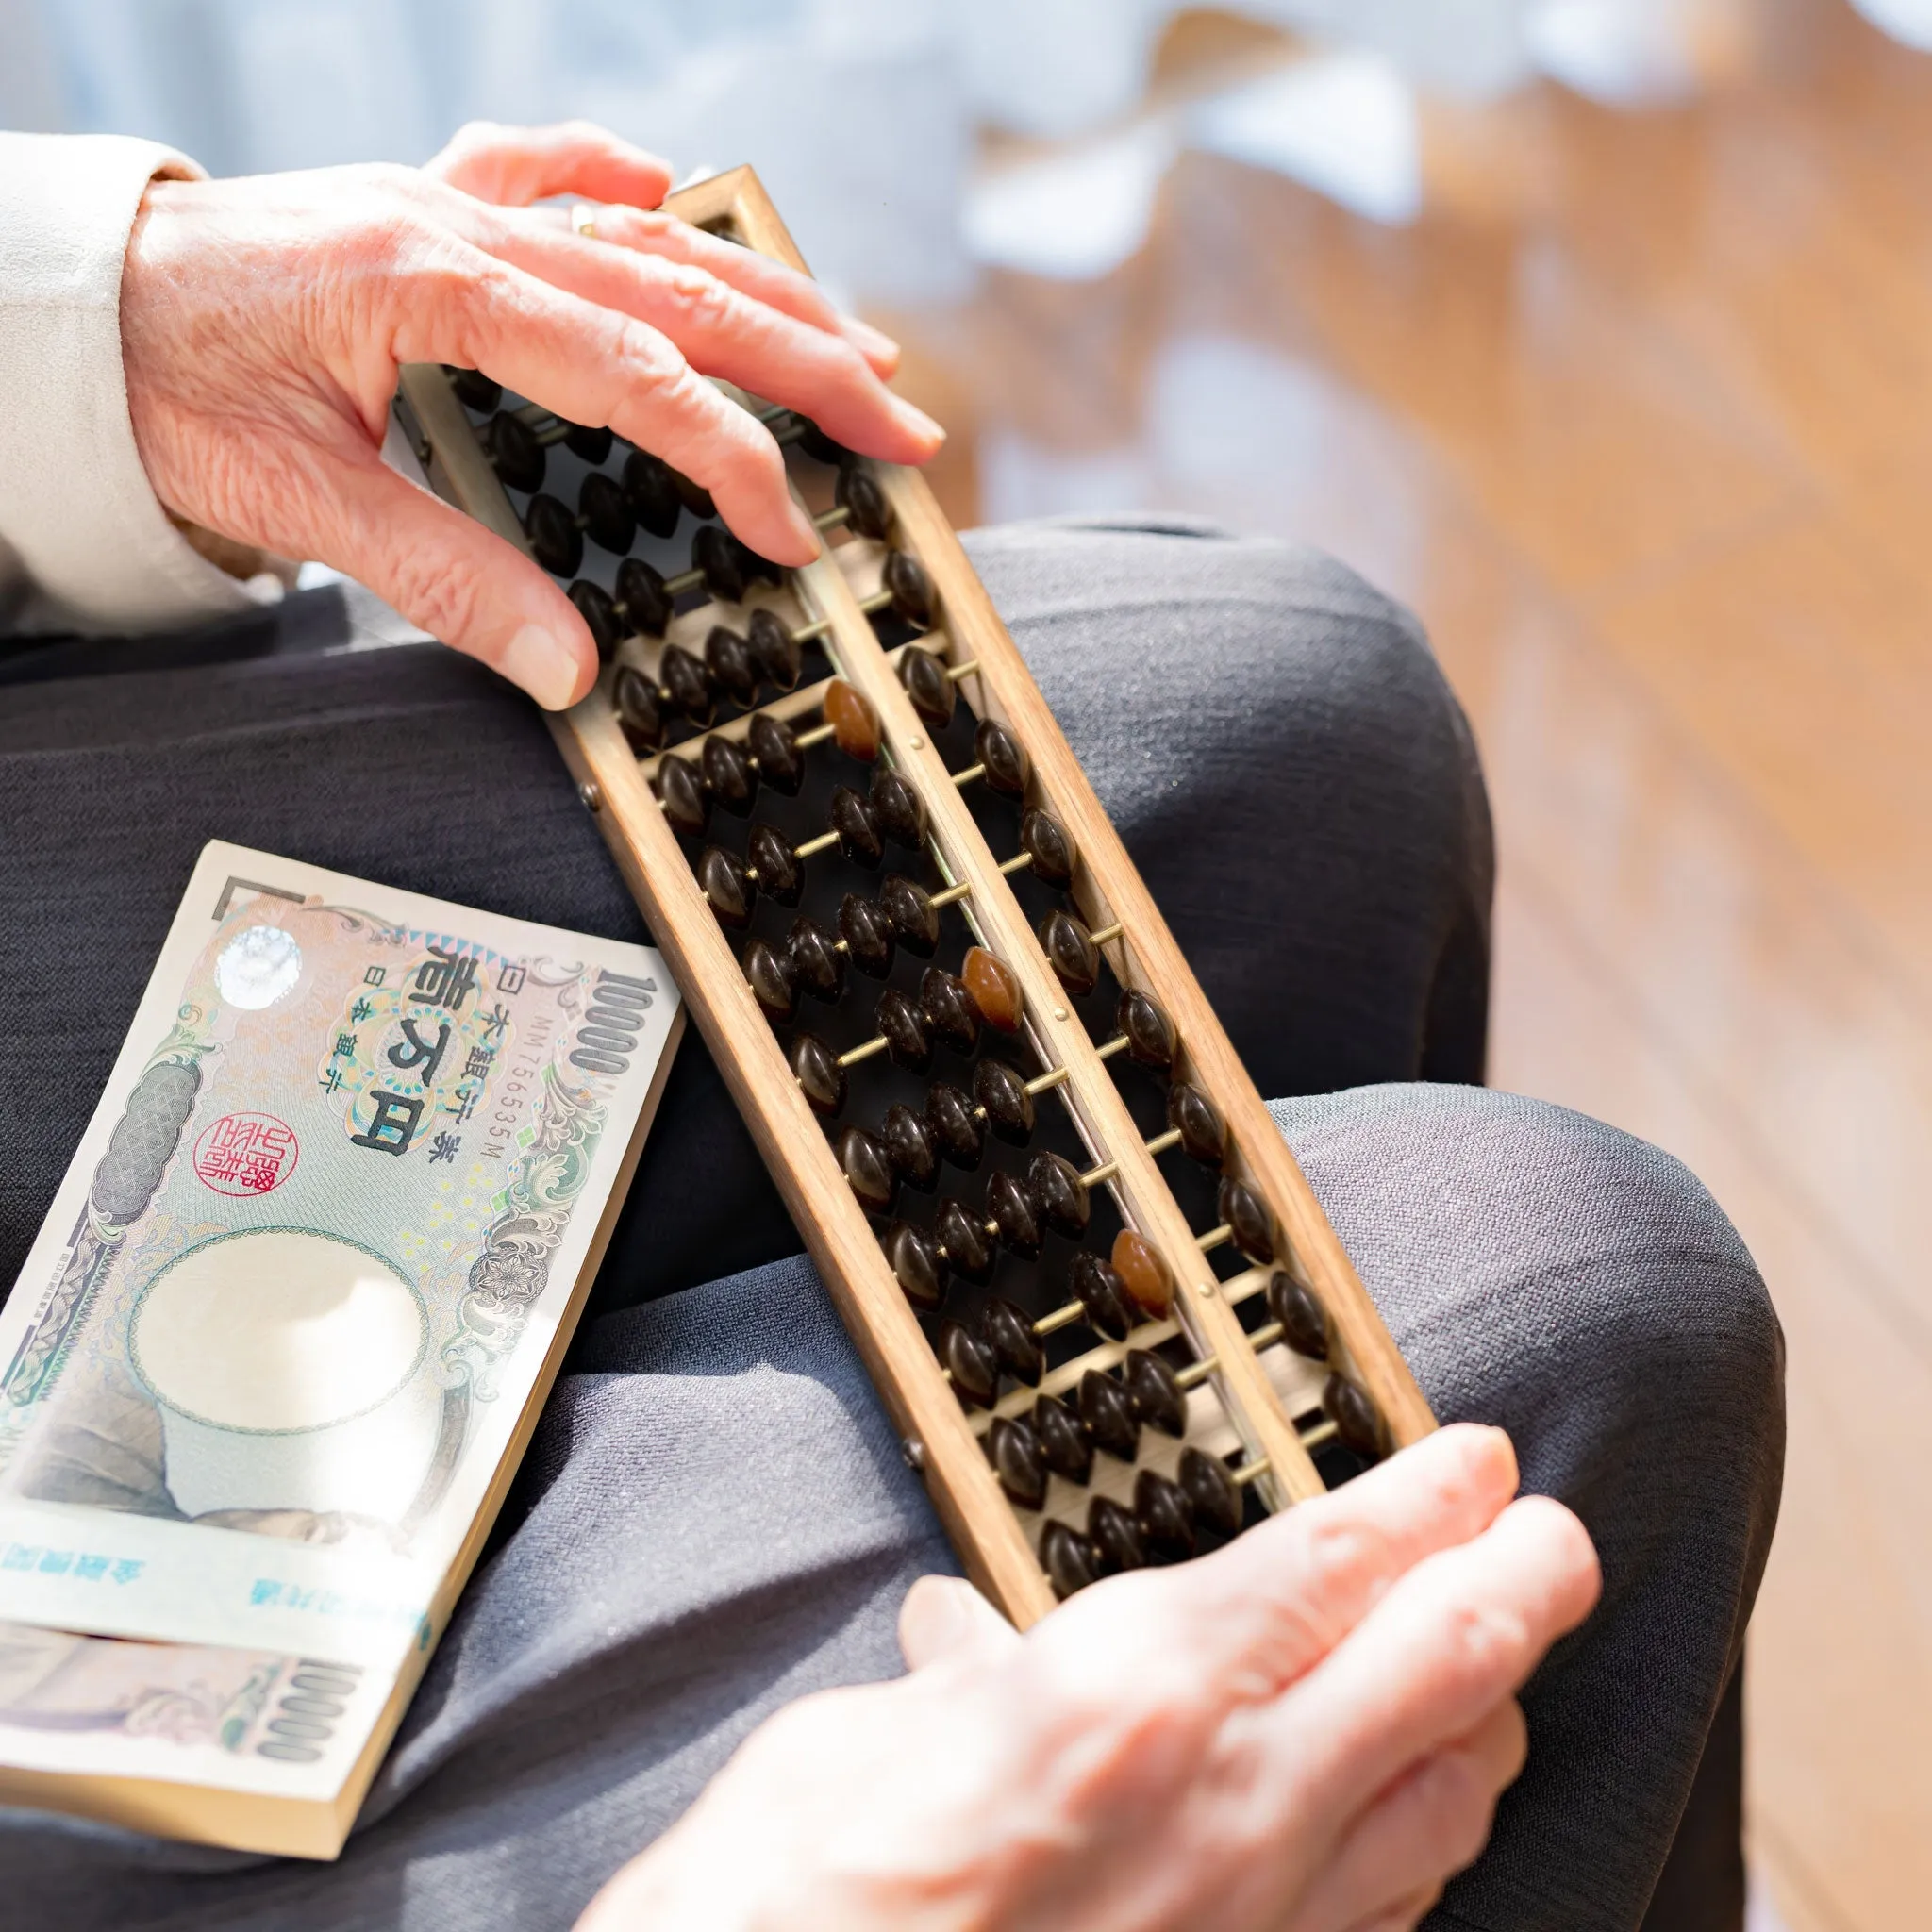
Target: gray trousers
[[714, 1517]]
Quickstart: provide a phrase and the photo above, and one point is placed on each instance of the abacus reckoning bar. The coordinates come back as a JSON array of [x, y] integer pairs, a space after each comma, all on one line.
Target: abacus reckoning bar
[[1122, 1398]]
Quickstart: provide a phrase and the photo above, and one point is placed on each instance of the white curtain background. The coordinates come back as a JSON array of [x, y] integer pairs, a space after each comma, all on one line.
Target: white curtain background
[[862, 115]]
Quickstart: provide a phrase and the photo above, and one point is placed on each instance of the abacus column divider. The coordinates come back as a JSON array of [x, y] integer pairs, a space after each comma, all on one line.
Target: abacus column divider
[[1153, 960], [834, 1227]]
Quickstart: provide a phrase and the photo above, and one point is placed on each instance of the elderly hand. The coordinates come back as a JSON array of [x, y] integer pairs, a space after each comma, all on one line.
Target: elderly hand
[[1304, 1732], [263, 322]]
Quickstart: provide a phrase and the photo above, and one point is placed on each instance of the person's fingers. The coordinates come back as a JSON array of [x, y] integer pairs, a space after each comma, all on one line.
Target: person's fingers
[[653, 231], [450, 577], [1274, 1601], [594, 365], [1422, 1830], [944, 1617], [519, 165], [1450, 1639], [723, 331], [1404, 1917]]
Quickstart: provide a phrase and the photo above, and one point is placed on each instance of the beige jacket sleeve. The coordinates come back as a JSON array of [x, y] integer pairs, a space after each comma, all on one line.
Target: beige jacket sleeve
[[84, 543]]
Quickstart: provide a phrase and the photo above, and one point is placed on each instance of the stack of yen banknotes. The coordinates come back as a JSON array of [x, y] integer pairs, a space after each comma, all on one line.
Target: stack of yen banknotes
[[286, 1331]]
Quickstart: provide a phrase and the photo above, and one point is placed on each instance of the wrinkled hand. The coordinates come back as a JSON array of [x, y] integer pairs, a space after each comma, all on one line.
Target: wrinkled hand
[[1304, 1732], [264, 321]]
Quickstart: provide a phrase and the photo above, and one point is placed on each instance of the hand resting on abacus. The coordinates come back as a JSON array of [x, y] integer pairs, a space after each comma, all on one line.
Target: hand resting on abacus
[[264, 321], [1304, 1732]]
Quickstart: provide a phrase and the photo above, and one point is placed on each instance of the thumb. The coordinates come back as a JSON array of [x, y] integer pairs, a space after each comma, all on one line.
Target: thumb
[[944, 1617], [459, 581]]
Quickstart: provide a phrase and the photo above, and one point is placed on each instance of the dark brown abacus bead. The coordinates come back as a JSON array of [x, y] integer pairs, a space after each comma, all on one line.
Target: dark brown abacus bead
[[915, 919], [973, 1367], [1165, 1515], [1102, 1297], [1070, 1560], [868, 934], [694, 496], [724, 883], [903, 580], [1154, 1393], [949, 1009], [590, 441], [1148, 1031], [867, 1170], [1348, 1407], [820, 1076], [730, 568], [474, 389], [855, 723], [773, 649], [682, 679], [1063, 1439], [1071, 952], [916, 1262], [858, 492], [858, 831], [900, 810], [998, 750], [963, 1236], [1203, 1132], [1010, 1209], [781, 873], [515, 452], [556, 541], [1060, 1194], [816, 958], [775, 744], [1014, 1450], [650, 492], [1011, 1338], [909, 1145], [954, 1123], [996, 989], [727, 657], [1116, 1535], [1212, 1492], [682, 794], [600, 617], [929, 687], [1003, 1100], [1049, 844], [774, 980], [728, 774], [637, 712], [907, 1043], [647, 605], [1304, 1321], [1142, 1272], [1241, 1207], [1106, 1415], [819, 447], [610, 521]]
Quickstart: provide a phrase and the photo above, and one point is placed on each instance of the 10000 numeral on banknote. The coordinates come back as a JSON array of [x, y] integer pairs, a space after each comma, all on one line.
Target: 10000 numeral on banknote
[[261, 1368]]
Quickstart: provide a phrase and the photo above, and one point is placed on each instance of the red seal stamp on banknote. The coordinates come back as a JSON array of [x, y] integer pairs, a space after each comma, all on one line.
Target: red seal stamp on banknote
[[246, 1153]]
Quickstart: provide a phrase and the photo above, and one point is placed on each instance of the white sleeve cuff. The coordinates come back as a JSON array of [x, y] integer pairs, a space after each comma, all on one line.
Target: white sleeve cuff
[[76, 509]]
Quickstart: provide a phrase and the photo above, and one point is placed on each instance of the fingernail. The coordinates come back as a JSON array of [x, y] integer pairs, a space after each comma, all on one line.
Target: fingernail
[[543, 664], [917, 421], [868, 340], [802, 529], [945, 1616]]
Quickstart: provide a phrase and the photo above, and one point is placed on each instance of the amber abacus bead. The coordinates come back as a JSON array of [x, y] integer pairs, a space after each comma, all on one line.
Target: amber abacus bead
[[1142, 1272], [995, 989], [855, 723]]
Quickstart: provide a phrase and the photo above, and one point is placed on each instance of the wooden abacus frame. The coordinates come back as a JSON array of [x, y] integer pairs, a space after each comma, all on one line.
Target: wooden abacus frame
[[940, 1436]]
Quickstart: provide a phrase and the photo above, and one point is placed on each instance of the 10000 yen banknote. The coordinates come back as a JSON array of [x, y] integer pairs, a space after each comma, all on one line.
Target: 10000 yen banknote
[[262, 1367]]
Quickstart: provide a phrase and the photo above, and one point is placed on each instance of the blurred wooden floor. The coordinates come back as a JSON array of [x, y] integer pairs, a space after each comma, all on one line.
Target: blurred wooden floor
[[1639, 416]]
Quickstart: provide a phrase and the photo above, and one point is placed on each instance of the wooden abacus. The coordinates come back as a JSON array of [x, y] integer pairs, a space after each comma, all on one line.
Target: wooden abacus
[[1215, 1371]]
